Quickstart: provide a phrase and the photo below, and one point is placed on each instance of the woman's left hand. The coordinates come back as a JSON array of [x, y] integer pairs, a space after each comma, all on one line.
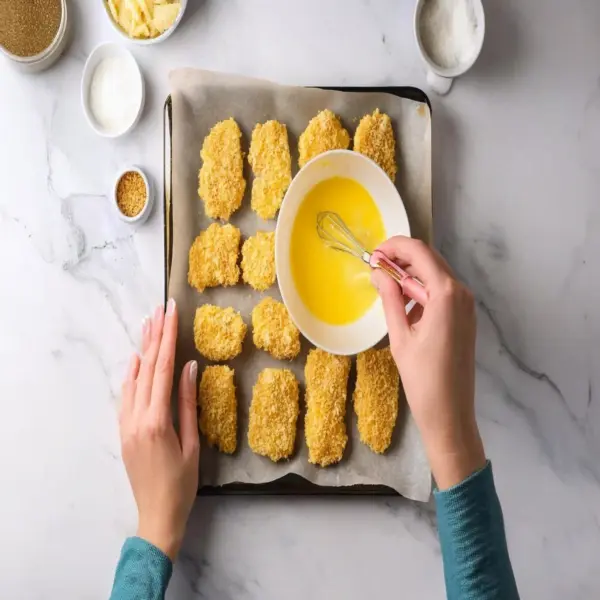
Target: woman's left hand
[[162, 466]]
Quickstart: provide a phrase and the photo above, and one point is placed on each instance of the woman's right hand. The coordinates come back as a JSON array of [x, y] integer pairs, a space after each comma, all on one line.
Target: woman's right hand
[[434, 348]]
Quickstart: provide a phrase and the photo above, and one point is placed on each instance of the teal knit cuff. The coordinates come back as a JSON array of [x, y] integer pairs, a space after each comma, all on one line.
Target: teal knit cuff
[[143, 571]]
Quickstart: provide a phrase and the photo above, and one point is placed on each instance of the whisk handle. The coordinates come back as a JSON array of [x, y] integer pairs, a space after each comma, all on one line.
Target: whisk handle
[[411, 287]]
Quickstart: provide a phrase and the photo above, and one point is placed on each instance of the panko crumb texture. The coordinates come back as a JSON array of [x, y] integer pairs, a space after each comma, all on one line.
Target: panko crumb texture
[[374, 138], [218, 332], [213, 257], [258, 260], [271, 163], [324, 132], [274, 331], [376, 398], [221, 178], [218, 408], [273, 414], [326, 392]]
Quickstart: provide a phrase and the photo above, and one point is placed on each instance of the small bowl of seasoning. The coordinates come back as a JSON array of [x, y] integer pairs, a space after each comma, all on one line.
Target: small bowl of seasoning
[[132, 196], [112, 90], [33, 33]]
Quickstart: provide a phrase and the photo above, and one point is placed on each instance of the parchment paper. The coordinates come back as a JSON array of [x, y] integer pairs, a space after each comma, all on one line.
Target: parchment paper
[[199, 100]]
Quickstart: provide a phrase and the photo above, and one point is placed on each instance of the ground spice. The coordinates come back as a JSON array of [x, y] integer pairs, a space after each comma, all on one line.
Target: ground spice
[[27, 27], [131, 194]]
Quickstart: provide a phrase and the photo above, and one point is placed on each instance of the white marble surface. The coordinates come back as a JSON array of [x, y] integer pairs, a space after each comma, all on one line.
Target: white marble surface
[[517, 188]]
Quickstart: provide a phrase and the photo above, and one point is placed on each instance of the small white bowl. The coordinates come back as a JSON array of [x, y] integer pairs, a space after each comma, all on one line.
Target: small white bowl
[[439, 78], [145, 212], [147, 42], [99, 53], [371, 327]]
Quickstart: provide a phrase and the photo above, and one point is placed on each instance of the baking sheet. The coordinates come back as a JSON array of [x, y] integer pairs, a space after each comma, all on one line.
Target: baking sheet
[[199, 100]]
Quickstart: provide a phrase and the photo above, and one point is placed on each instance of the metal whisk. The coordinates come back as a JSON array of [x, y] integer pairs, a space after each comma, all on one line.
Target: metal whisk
[[338, 236]]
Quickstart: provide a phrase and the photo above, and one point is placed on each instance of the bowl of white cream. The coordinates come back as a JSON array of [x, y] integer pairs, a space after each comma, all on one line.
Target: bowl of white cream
[[449, 36], [112, 90]]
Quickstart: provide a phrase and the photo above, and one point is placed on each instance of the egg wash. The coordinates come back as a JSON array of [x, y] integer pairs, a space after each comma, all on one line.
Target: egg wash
[[333, 285]]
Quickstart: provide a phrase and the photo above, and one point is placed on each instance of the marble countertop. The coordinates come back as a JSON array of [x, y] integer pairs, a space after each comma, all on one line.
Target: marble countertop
[[517, 214]]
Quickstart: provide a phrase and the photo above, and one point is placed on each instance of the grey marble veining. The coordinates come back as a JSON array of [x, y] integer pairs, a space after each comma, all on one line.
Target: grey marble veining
[[516, 188]]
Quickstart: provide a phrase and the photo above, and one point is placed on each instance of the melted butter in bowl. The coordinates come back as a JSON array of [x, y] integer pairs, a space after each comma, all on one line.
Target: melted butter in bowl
[[333, 285], [327, 293]]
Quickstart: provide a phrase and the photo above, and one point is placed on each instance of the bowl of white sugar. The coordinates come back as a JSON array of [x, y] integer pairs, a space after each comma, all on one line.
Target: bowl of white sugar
[[450, 36], [112, 90]]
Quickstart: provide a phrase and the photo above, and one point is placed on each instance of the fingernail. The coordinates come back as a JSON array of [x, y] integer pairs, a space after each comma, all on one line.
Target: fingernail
[[145, 325], [170, 307], [193, 372]]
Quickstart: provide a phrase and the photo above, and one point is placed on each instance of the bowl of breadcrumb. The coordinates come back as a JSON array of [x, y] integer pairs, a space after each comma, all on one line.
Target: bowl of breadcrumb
[[132, 196]]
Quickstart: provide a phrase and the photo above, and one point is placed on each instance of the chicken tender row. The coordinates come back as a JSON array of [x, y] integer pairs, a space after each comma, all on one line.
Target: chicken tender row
[[275, 407], [221, 177]]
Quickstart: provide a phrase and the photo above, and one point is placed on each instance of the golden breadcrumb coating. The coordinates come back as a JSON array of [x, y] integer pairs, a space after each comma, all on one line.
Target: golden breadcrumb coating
[[258, 260], [324, 132], [374, 138], [376, 398], [273, 414], [325, 422], [218, 332], [221, 177], [214, 257], [218, 408], [274, 331], [271, 163]]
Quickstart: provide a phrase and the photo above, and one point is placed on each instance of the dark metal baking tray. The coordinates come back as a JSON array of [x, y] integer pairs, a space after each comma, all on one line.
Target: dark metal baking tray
[[289, 484]]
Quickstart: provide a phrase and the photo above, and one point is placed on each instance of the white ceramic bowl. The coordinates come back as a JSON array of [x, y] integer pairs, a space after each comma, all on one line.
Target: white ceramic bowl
[[371, 328], [145, 212], [161, 38], [46, 58], [439, 78], [98, 54]]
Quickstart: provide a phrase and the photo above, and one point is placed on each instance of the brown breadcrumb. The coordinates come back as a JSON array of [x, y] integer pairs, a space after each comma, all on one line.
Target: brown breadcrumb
[[258, 260], [274, 331], [131, 193], [374, 138], [218, 332], [221, 177], [324, 132], [326, 390], [214, 257], [218, 408], [376, 398], [273, 414], [270, 160]]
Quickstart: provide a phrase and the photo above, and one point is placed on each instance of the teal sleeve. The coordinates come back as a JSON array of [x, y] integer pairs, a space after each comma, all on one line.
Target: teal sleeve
[[474, 551], [143, 572]]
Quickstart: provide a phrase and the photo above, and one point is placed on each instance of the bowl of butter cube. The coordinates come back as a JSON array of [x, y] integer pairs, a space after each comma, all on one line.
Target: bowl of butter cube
[[145, 21]]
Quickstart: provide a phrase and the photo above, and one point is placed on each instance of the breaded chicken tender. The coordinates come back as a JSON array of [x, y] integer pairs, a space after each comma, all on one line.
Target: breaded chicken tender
[[324, 132], [214, 256], [273, 414], [221, 177], [374, 138], [218, 332], [258, 260], [274, 331], [218, 408], [271, 163], [376, 398], [325, 422]]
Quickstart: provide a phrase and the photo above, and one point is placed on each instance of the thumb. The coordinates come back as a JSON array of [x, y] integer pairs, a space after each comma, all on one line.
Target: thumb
[[393, 306], [188, 416]]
